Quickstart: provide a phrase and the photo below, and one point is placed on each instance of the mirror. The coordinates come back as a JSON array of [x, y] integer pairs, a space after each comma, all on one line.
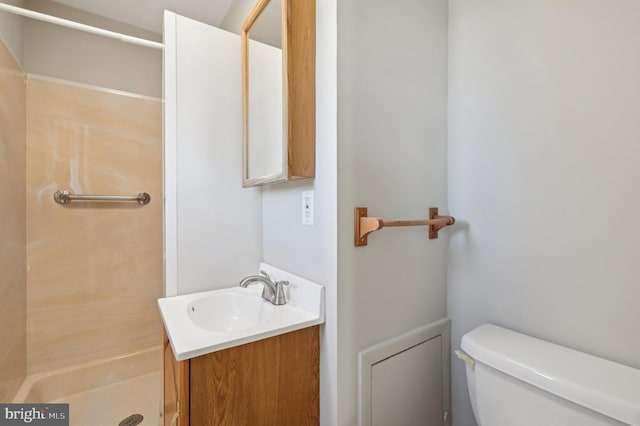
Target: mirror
[[278, 92], [265, 132]]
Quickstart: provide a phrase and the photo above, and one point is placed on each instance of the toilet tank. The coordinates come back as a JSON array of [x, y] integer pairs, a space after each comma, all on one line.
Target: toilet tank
[[518, 380]]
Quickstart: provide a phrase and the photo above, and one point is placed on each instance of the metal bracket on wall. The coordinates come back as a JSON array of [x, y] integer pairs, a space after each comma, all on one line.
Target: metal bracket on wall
[[364, 225]]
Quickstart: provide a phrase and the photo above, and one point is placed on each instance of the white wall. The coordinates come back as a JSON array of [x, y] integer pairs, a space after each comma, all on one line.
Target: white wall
[[543, 174], [213, 226], [55, 51], [392, 129], [11, 31]]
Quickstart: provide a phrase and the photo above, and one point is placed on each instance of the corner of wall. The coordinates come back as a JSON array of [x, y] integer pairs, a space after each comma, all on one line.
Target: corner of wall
[[236, 15]]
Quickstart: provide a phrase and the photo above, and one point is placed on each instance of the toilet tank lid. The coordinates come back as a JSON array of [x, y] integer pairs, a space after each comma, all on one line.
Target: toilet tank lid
[[601, 385]]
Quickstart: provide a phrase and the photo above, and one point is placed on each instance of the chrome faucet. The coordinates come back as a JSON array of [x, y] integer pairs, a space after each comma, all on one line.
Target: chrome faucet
[[272, 291]]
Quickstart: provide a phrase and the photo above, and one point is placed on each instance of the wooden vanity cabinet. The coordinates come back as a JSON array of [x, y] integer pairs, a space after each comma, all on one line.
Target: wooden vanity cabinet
[[273, 381]]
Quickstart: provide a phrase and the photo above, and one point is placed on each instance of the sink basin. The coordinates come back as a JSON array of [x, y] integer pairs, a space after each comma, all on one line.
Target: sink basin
[[227, 311], [201, 323]]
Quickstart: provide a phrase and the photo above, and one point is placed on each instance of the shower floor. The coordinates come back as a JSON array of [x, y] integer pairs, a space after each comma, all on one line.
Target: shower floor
[[109, 405], [103, 392]]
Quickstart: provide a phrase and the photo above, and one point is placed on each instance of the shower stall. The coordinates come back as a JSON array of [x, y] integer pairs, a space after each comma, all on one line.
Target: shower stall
[[79, 281]]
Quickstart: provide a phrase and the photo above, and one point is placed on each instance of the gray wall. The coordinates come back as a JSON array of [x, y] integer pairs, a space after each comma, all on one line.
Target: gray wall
[[267, 28], [543, 174], [392, 130], [67, 54], [11, 31], [237, 14], [310, 251]]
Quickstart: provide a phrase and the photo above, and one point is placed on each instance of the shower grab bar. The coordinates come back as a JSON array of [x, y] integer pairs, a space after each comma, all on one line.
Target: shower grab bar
[[65, 197]]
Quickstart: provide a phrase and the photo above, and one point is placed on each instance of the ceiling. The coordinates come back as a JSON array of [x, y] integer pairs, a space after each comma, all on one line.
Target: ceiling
[[147, 14]]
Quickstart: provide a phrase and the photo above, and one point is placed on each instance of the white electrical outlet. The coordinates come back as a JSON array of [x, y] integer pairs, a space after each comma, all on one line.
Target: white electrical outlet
[[307, 207]]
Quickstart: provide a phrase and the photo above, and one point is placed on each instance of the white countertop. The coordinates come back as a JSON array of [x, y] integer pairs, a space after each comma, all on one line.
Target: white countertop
[[305, 307]]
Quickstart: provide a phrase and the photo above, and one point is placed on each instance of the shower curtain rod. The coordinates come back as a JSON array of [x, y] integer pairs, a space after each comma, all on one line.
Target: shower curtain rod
[[81, 27]]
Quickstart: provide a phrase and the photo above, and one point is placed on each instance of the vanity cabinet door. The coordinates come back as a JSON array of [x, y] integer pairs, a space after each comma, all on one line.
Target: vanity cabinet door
[[274, 381]]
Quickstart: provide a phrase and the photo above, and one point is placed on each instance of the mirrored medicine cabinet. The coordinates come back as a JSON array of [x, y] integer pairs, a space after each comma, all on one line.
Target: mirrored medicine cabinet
[[278, 92]]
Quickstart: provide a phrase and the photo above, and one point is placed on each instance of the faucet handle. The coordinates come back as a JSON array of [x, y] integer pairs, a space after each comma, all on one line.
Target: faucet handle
[[265, 274], [282, 283], [280, 296]]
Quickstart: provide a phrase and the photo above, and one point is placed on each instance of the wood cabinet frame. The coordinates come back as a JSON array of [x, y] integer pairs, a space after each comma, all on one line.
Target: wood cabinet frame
[[299, 93]]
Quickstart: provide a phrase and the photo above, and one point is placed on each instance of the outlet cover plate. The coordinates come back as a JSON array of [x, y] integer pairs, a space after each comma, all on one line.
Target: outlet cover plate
[[307, 207]]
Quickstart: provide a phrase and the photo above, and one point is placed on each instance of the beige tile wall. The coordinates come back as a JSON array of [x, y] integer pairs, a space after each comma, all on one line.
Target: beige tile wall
[[12, 226], [95, 269]]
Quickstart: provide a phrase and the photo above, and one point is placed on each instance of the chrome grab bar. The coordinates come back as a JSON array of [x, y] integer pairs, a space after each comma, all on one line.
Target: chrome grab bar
[[65, 197]]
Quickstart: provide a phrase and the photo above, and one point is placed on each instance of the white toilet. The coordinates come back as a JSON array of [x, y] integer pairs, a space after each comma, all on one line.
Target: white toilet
[[518, 380]]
